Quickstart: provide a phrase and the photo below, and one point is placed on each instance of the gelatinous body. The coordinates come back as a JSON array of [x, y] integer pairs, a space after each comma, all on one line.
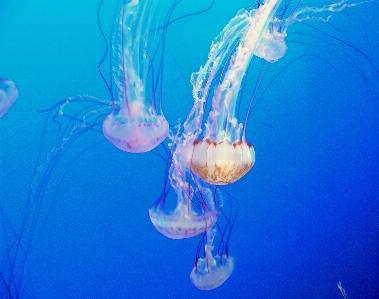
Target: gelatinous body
[[135, 127], [8, 95], [221, 163], [184, 221]]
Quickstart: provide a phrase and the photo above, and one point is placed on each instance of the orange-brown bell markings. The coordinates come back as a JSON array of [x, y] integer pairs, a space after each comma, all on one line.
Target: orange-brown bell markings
[[221, 163]]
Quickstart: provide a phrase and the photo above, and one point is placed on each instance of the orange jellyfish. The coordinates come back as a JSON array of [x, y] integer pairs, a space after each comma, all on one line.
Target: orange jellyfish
[[8, 95], [135, 126], [223, 155]]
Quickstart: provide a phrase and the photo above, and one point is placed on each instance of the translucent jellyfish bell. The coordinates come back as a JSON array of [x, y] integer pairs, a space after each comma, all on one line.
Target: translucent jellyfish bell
[[184, 221], [135, 130], [8, 95], [211, 271], [272, 45], [223, 162], [135, 127]]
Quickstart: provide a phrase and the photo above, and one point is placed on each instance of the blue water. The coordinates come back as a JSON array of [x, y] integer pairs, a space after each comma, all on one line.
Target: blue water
[[308, 210]]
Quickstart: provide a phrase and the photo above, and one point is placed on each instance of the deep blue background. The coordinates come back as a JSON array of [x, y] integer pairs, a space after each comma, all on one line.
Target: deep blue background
[[309, 208]]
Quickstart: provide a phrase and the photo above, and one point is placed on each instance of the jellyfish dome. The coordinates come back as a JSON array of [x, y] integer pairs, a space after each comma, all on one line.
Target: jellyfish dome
[[223, 162], [210, 274], [135, 126], [139, 130], [184, 221], [180, 224], [8, 95]]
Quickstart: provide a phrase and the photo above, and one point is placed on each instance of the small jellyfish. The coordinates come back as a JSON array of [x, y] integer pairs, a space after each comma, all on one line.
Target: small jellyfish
[[211, 271], [8, 95]]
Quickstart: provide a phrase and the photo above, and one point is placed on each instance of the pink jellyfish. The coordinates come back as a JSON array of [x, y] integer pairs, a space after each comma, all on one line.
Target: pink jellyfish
[[135, 126], [8, 95]]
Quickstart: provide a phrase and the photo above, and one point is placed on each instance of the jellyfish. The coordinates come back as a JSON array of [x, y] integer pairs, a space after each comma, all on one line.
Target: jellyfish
[[135, 126], [195, 211], [211, 271], [8, 95], [223, 156]]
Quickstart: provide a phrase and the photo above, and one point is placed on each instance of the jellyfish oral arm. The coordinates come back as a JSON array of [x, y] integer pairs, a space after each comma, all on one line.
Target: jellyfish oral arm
[[126, 54], [225, 96]]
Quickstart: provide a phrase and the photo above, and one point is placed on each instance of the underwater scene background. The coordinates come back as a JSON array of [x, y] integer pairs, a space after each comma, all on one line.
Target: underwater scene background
[[307, 214]]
